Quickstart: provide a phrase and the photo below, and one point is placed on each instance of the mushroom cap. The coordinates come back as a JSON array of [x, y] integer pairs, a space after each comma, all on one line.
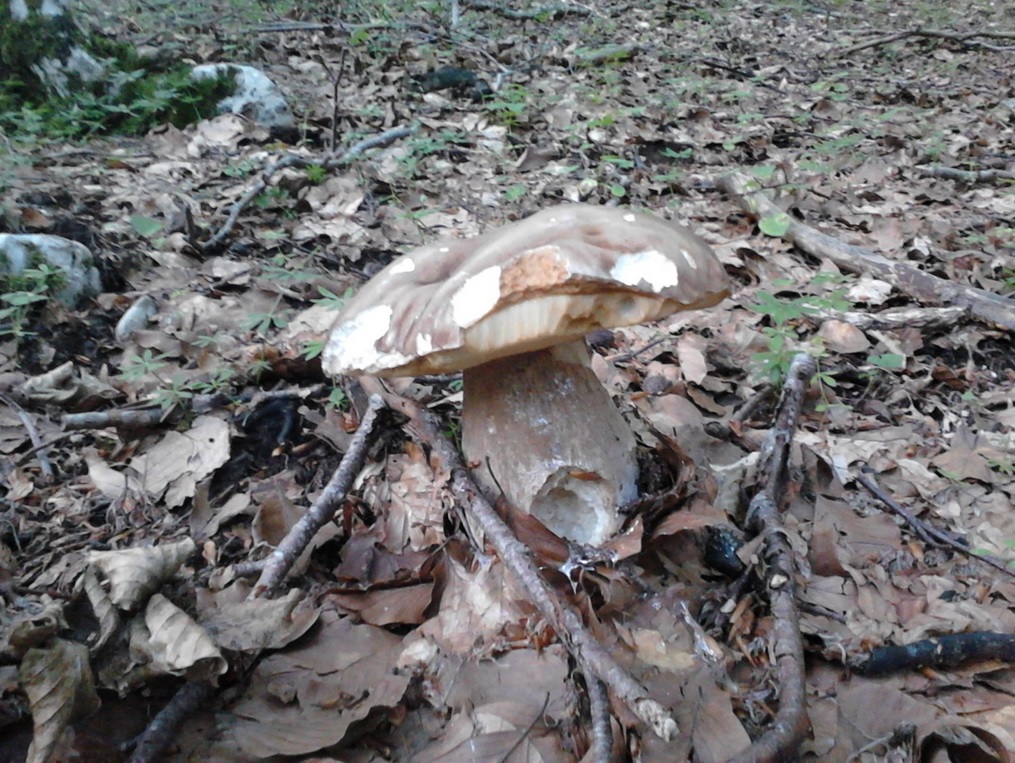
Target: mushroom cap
[[550, 278]]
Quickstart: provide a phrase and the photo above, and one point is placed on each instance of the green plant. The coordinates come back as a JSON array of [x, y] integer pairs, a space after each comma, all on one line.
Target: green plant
[[510, 104], [129, 101], [24, 293], [782, 335]]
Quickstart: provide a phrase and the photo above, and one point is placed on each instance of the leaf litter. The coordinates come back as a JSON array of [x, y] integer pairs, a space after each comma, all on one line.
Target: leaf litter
[[398, 638]]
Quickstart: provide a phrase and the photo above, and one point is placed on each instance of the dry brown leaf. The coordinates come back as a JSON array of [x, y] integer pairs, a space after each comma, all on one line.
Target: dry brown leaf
[[176, 644], [135, 573], [306, 698], [244, 625], [58, 682], [180, 460]]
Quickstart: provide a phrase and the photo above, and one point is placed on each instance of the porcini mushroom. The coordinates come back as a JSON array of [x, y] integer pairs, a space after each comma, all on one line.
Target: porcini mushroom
[[510, 308]]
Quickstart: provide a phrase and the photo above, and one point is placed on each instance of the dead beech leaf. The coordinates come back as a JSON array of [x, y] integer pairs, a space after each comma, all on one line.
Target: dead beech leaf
[[691, 353], [388, 606], [27, 627], [248, 626], [113, 484], [135, 573], [842, 337], [58, 682], [476, 607], [102, 607], [180, 460], [305, 699], [179, 646]]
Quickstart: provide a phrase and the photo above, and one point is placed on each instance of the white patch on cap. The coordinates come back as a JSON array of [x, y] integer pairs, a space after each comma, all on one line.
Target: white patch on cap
[[404, 265], [629, 218], [352, 346], [690, 260], [444, 250], [477, 297], [650, 266], [424, 344]]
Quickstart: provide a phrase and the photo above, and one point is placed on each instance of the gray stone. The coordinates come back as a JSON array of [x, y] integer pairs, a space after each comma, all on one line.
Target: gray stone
[[256, 96], [20, 251]]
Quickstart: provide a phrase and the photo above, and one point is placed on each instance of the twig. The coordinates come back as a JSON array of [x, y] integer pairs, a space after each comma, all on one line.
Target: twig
[[787, 730], [38, 446], [161, 732], [947, 651], [330, 162], [507, 12], [601, 750], [987, 307], [963, 38], [285, 555], [128, 418], [594, 660], [527, 733], [928, 533], [966, 176], [899, 318]]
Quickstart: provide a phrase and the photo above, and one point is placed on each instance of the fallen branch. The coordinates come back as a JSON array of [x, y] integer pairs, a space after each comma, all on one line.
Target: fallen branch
[[507, 12], [787, 730], [40, 448], [329, 162], [930, 34], [897, 318], [126, 418], [161, 732], [928, 533], [601, 749], [985, 306], [594, 660], [281, 560], [948, 651], [967, 176]]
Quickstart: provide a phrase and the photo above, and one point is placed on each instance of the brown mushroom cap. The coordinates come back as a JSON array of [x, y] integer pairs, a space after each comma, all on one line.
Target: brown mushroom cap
[[550, 278]]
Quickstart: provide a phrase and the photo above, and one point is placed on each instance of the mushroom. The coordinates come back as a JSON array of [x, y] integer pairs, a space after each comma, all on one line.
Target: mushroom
[[510, 308]]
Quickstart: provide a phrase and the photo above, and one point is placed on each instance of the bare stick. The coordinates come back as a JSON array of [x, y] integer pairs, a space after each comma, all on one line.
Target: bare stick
[[967, 176], [985, 306], [40, 448], [787, 730], [602, 729], [507, 12], [128, 418], [161, 732], [329, 162], [928, 533], [594, 660], [328, 502], [968, 39], [897, 318]]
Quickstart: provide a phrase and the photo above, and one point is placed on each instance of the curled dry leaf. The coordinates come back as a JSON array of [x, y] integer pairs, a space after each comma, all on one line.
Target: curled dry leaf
[[102, 607], [136, 573], [59, 685], [27, 627], [248, 626], [178, 645]]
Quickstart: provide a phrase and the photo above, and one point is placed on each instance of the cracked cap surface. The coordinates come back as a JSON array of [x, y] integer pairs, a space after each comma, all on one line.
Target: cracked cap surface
[[550, 278]]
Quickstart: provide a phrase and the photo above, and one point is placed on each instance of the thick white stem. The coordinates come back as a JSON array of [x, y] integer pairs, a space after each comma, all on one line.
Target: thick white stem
[[541, 426]]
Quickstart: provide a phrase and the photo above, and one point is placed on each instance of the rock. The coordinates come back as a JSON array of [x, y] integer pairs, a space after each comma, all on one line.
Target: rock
[[18, 252], [256, 96]]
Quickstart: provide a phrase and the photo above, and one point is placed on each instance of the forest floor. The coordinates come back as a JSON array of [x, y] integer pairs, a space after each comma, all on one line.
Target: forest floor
[[888, 126]]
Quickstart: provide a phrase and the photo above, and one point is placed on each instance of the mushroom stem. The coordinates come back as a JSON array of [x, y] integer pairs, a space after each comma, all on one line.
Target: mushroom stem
[[542, 428]]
